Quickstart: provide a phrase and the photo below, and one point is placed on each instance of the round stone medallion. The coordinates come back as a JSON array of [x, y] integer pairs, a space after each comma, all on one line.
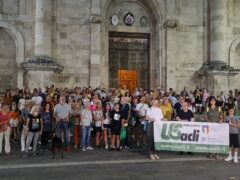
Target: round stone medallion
[[129, 19], [114, 20]]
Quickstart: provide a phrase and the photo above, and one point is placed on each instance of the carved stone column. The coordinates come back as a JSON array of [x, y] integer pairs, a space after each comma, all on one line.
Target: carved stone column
[[40, 69], [95, 63], [218, 25], [43, 27], [217, 69]]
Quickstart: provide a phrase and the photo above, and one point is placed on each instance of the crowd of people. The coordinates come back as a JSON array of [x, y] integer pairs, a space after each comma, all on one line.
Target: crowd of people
[[89, 118]]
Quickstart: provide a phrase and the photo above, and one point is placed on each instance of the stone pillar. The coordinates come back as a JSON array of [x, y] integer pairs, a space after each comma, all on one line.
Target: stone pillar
[[20, 74], [217, 29], [217, 74], [43, 27], [95, 63]]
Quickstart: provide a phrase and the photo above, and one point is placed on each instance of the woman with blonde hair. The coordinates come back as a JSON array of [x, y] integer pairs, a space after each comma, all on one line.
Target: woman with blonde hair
[[154, 115], [86, 122], [34, 126]]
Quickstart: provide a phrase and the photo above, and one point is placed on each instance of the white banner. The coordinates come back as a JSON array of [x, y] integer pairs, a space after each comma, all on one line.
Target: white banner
[[191, 136]]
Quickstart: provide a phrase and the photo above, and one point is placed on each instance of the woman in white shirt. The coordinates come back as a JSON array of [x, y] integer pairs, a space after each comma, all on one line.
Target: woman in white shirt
[[86, 120], [154, 115]]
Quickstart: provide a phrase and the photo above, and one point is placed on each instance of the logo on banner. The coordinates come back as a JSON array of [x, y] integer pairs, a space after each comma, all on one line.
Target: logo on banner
[[205, 129], [173, 131]]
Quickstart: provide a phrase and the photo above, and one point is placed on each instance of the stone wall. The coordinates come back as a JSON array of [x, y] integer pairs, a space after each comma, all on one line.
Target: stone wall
[[185, 44], [71, 41], [180, 40]]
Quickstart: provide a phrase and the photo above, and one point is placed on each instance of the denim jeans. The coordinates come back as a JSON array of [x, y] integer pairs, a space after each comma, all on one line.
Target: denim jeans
[[32, 136], [86, 136], [62, 128]]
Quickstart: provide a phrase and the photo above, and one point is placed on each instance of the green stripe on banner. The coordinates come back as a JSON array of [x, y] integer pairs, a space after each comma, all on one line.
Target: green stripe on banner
[[201, 148]]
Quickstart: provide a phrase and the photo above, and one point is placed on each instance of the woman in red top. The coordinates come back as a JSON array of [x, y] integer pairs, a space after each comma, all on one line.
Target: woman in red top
[[4, 128]]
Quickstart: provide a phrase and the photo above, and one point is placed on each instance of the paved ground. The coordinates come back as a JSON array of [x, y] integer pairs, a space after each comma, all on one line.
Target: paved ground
[[178, 169], [127, 164]]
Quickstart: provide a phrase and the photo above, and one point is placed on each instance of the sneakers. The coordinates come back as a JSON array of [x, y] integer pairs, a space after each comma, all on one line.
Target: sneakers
[[138, 145], [83, 149], [106, 146], [75, 146], [126, 147], [152, 157], [89, 148], [156, 156], [235, 159], [229, 158]]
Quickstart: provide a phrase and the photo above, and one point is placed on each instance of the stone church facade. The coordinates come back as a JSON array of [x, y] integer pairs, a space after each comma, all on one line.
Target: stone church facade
[[168, 43]]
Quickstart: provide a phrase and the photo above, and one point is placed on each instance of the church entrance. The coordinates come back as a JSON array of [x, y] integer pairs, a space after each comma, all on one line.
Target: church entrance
[[129, 60]]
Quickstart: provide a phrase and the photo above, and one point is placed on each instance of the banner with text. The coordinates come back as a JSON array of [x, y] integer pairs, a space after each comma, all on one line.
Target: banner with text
[[191, 136]]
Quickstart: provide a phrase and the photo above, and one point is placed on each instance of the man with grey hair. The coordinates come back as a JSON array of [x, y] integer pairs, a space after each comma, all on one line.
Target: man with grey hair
[[62, 113]]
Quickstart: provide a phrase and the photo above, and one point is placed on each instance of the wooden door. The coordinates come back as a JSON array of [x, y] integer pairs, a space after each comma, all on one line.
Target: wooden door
[[130, 52], [128, 78]]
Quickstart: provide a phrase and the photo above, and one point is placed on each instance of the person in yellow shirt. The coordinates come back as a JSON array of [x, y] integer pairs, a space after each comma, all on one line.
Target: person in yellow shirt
[[167, 109]]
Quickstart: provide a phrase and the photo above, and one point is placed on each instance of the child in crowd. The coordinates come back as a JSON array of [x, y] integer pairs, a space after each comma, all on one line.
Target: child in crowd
[[98, 118], [234, 124], [116, 125], [14, 122], [106, 124]]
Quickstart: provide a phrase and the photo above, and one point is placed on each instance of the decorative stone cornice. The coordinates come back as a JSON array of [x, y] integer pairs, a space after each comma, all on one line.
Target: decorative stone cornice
[[42, 63], [218, 68], [95, 19]]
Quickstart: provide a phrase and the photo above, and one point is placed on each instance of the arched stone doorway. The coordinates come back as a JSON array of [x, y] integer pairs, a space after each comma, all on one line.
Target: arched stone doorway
[[8, 73], [14, 51], [148, 27]]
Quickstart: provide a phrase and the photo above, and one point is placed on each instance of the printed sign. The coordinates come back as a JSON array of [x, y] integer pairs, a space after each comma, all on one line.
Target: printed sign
[[191, 136]]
